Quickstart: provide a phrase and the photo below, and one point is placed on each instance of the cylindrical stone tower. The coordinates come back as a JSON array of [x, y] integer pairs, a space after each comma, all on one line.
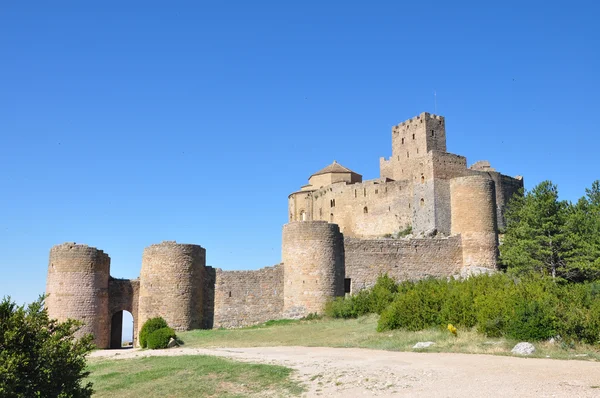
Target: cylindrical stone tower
[[473, 207], [171, 285], [77, 288], [313, 266]]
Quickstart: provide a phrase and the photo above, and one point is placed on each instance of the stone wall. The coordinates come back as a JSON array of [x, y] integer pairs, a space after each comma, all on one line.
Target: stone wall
[[401, 259], [171, 285], [243, 298], [369, 209], [313, 262], [77, 288]]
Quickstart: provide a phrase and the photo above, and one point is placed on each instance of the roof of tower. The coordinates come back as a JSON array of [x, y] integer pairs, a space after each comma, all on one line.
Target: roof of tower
[[334, 167]]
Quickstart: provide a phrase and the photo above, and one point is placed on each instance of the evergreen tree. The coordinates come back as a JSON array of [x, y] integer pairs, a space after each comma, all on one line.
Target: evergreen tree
[[583, 226], [535, 238]]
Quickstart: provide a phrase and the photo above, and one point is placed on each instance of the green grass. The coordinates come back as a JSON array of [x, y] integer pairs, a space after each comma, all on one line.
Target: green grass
[[362, 333], [189, 376]]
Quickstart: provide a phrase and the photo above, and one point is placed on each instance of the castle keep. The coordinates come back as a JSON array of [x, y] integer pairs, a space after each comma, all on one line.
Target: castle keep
[[427, 215]]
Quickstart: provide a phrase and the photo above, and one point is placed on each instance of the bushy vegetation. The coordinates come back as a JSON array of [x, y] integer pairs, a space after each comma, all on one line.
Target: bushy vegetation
[[532, 307], [150, 326], [160, 338], [40, 357], [366, 301]]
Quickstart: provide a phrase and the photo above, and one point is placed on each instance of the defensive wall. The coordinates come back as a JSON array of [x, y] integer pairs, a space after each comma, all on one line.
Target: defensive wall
[[343, 233]]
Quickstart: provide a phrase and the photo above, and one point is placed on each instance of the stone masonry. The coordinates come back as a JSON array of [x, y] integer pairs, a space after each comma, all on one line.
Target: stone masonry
[[343, 233]]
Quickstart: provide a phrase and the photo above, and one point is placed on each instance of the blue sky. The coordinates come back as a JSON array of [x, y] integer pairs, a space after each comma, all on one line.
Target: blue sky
[[123, 124]]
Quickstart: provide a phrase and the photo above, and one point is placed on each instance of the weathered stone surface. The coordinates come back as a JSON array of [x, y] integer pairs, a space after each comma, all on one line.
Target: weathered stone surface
[[244, 298], [523, 348], [77, 287], [313, 263]]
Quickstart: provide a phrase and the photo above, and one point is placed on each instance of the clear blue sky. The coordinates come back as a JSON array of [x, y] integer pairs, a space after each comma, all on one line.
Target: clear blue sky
[[124, 124]]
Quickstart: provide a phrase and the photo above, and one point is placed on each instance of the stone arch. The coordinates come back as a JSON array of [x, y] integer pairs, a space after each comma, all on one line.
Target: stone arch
[[121, 329]]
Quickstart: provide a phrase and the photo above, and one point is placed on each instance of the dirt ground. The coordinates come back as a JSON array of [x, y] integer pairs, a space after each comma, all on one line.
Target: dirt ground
[[355, 372]]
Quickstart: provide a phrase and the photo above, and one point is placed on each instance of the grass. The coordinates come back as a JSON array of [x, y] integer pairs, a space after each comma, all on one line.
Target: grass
[[189, 376], [362, 333]]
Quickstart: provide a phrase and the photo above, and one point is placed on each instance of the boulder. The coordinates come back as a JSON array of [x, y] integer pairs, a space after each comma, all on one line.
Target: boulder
[[523, 348], [172, 343], [423, 344]]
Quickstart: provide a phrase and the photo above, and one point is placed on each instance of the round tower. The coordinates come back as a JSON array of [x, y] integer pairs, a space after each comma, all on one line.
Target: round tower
[[171, 285], [77, 288], [473, 208], [313, 266]]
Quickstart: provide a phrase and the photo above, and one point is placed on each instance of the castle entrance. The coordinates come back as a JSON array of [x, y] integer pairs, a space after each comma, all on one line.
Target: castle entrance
[[121, 330]]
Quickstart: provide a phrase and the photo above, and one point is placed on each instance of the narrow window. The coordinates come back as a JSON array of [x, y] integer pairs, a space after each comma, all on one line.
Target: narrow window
[[422, 202], [376, 191], [229, 294], [422, 178], [407, 155], [347, 285], [417, 151], [302, 216], [331, 217], [433, 133], [364, 191], [355, 193], [402, 140], [413, 136], [365, 210]]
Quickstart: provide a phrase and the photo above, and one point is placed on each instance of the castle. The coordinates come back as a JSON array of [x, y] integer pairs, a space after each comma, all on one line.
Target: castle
[[427, 215]]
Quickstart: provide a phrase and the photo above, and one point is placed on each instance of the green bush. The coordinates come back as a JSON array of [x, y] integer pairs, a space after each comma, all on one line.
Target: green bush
[[40, 357], [160, 338], [150, 326]]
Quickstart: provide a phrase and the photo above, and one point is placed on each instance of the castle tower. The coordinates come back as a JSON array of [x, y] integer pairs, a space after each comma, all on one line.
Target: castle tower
[[473, 207], [77, 288], [313, 266], [171, 285]]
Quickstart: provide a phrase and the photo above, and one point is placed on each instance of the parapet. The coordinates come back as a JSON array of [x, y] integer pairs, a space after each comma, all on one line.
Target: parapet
[[73, 257], [418, 119]]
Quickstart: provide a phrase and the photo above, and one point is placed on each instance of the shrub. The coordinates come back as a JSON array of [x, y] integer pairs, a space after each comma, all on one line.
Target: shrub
[[160, 338], [150, 326], [40, 357]]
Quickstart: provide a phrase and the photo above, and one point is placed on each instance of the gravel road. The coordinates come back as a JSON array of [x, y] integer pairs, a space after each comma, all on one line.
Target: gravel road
[[355, 372]]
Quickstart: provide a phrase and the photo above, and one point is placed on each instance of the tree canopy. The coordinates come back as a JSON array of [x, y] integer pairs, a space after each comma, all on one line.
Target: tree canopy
[[40, 357], [554, 237]]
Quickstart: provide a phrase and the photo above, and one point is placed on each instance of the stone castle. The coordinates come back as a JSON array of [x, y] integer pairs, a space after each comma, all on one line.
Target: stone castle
[[427, 215]]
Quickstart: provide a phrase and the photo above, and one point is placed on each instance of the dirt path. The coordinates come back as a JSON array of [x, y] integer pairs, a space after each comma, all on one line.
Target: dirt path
[[355, 372]]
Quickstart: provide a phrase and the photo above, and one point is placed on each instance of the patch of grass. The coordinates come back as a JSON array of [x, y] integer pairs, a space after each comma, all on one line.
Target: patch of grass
[[361, 333], [189, 376]]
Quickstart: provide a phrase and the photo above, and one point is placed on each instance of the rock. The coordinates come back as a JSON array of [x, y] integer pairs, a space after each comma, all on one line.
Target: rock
[[423, 344], [172, 343], [523, 348]]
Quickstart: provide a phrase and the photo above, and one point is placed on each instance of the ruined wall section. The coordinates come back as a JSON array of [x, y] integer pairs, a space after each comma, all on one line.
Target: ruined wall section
[[171, 285], [124, 296], [313, 266], [473, 201], [77, 288], [401, 259], [244, 298]]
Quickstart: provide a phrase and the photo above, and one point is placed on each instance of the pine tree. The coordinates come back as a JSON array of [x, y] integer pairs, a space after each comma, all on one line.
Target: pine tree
[[535, 238], [583, 226]]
